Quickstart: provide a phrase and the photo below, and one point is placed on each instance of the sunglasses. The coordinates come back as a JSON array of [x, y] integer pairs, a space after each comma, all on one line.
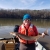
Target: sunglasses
[[27, 19]]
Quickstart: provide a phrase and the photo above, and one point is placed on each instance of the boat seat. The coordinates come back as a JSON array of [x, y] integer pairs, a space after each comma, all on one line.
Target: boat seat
[[10, 46]]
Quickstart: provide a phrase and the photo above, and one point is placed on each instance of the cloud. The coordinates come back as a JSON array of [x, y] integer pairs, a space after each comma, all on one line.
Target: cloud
[[6, 7], [23, 1], [17, 3], [28, 2], [24, 4], [41, 3]]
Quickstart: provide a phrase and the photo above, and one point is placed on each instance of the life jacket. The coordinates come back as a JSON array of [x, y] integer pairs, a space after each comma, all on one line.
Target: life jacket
[[31, 32]]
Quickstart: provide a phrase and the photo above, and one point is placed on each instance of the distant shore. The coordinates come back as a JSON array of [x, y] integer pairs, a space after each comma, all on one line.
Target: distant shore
[[18, 14]]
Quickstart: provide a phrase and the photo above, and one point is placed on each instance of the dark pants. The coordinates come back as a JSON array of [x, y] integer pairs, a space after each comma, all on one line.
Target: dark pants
[[17, 46], [27, 46]]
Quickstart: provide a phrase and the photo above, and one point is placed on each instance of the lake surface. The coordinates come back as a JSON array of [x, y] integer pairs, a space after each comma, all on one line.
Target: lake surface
[[7, 26]]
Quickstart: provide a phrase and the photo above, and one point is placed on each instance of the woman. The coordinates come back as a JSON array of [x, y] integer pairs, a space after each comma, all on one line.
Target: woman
[[28, 29]]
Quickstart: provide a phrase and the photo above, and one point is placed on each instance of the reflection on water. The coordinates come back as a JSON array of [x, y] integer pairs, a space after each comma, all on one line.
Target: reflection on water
[[5, 22], [39, 23]]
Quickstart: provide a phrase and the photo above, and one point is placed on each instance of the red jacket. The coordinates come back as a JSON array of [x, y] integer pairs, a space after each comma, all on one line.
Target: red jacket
[[32, 31]]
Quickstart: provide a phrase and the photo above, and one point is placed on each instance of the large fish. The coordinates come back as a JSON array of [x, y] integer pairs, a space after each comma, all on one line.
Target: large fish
[[29, 37]]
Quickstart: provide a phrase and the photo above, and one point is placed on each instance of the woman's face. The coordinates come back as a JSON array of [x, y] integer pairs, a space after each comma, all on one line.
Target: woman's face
[[27, 21]]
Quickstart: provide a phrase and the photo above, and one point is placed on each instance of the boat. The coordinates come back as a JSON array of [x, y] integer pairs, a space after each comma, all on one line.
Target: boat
[[39, 46], [10, 44]]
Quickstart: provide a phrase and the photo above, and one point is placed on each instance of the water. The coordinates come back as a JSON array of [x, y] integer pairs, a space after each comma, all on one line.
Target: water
[[7, 26]]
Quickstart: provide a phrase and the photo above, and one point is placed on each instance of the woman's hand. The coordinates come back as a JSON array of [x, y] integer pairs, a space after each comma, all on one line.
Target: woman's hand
[[45, 33]]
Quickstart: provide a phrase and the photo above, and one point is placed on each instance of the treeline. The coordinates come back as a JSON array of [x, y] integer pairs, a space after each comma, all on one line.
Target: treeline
[[16, 13]]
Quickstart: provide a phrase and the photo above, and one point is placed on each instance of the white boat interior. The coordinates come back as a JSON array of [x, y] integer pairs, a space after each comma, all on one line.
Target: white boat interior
[[39, 46]]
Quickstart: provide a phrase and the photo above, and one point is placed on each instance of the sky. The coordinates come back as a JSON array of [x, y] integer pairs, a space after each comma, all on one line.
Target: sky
[[25, 4]]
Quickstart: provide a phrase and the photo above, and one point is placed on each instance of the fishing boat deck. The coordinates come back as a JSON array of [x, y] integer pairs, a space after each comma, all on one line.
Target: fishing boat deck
[[11, 45]]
